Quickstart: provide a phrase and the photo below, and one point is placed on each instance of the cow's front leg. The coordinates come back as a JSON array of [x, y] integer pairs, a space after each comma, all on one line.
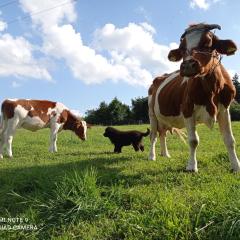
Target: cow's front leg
[[193, 140], [53, 137], [226, 131]]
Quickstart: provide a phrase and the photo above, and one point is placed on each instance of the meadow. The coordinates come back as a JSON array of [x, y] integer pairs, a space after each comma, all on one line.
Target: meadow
[[87, 192]]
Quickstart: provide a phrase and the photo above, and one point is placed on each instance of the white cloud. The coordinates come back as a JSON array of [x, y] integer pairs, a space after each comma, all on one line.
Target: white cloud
[[127, 54], [202, 4], [135, 44], [16, 59], [57, 12], [3, 26]]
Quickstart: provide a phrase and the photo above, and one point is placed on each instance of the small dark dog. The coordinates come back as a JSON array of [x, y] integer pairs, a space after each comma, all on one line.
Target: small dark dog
[[125, 138]]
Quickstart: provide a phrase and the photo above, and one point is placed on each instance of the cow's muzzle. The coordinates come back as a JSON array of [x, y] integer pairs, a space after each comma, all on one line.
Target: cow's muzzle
[[190, 68]]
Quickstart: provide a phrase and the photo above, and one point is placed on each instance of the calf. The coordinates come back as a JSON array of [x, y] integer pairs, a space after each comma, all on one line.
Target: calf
[[34, 115], [200, 92]]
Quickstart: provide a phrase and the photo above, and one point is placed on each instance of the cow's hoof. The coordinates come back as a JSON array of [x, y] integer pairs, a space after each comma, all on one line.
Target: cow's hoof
[[235, 170], [191, 169], [167, 155], [152, 158]]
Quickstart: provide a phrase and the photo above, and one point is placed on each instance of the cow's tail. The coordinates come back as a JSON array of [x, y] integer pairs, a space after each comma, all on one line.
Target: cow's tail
[[146, 133], [180, 133]]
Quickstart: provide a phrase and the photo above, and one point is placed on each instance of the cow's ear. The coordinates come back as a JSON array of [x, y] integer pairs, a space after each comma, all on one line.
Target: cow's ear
[[227, 47], [175, 55]]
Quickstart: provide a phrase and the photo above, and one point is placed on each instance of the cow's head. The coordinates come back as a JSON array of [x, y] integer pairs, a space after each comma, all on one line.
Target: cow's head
[[81, 129], [200, 50]]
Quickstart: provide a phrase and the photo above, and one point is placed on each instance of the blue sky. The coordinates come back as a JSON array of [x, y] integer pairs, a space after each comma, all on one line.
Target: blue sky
[[84, 52]]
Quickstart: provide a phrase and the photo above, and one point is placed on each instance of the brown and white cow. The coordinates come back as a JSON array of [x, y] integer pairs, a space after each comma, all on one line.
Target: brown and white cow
[[200, 92], [34, 115]]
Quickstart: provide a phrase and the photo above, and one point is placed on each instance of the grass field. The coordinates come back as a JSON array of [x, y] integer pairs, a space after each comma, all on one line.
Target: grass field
[[86, 192]]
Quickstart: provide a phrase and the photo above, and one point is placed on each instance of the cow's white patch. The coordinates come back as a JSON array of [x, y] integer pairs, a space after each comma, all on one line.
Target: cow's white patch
[[20, 112], [49, 112], [33, 123], [12, 99], [162, 85], [58, 109], [84, 129], [193, 39], [172, 121], [202, 116], [185, 79]]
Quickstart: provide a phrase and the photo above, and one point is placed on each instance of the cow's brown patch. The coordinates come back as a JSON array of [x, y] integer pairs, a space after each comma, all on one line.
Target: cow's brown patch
[[208, 91], [71, 122], [35, 108]]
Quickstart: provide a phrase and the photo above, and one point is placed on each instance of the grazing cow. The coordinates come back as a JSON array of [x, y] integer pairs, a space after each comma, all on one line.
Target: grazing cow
[[200, 92], [34, 115]]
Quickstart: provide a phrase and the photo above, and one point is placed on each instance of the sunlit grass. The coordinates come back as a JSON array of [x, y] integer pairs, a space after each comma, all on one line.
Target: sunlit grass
[[87, 192]]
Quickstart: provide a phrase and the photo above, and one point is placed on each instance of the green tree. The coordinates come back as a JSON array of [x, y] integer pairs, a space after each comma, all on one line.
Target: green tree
[[235, 112], [109, 114], [119, 113], [236, 83], [140, 109]]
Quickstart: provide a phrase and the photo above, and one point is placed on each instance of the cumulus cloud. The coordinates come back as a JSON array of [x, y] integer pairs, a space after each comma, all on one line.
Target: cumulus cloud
[[60, 12], [16, 59], [134, 45], [127, 54], [3, 26], [202, 4]]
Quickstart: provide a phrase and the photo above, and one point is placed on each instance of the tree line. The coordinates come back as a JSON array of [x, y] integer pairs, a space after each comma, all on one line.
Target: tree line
[[235, 107], [117, 113]]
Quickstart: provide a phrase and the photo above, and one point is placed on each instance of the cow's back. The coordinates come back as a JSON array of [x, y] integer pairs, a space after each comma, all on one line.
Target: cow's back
[[31, 114]]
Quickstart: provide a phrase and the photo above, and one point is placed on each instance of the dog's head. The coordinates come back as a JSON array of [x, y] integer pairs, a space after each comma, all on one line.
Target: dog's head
[[107, 132]]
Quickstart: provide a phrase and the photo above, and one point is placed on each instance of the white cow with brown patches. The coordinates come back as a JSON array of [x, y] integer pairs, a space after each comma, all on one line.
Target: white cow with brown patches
[[200, 92], [34, 115]]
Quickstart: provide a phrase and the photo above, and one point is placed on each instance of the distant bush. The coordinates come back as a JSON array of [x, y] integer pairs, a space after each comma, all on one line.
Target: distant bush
[[235, 112]]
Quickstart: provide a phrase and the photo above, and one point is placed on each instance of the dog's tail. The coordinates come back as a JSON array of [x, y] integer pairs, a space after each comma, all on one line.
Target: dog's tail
[[146, 133]]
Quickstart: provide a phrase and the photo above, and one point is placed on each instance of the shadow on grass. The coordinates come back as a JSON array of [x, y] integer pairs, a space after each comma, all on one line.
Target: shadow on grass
[[41, 180]]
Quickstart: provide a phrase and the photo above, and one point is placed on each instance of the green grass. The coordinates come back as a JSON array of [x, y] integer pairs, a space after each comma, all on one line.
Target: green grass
[[86, 192]]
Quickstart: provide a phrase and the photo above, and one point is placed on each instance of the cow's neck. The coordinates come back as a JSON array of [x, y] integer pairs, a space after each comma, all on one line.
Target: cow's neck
[[213, 82], [71, 123], [212, 85]]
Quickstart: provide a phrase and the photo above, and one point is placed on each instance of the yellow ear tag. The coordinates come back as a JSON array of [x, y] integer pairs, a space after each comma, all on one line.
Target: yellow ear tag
[[173, 58], [231, 50]]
